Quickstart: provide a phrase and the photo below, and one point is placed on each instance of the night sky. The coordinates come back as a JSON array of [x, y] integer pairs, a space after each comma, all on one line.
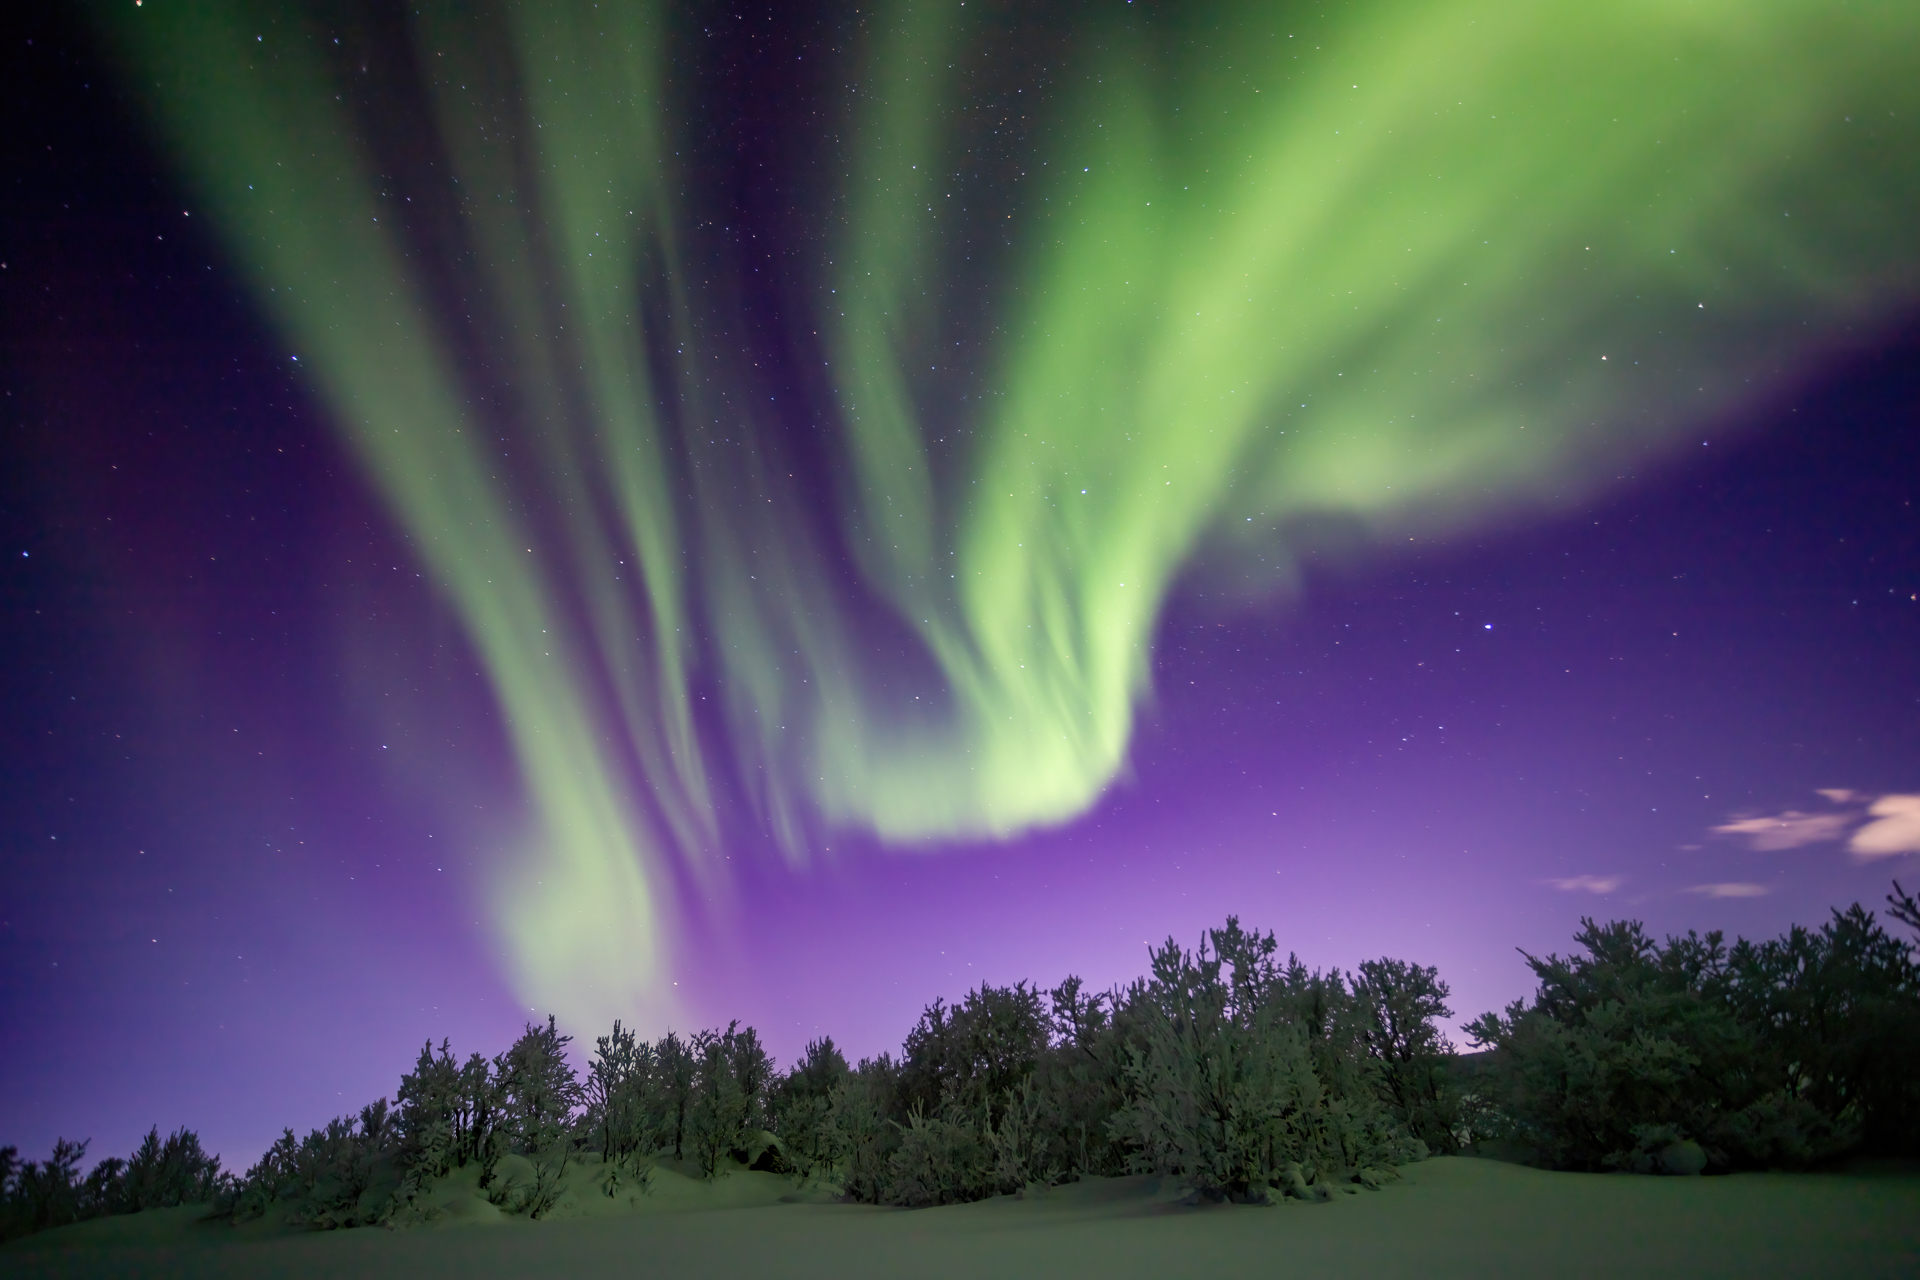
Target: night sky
[[710, 516]]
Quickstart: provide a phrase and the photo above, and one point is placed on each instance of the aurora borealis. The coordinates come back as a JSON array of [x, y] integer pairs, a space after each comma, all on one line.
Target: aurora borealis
[[819, 436]]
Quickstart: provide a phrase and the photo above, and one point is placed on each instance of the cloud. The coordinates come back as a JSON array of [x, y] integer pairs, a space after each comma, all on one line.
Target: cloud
[[1895, 829], [1839, 795], [1731, 890], [1788, 830], [1589, 884]]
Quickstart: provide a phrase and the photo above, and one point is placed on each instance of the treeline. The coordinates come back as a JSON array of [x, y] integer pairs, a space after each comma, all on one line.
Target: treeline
[[1250, 1078], [161, 1174], [1690, 1054]]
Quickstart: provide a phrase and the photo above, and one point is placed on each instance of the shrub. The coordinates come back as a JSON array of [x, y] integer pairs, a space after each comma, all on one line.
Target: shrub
[[1224, 1090], [159, 1175], [1786, 1052], [45, 1193], [342, 1175], [938, 1160], [1838, 1011]]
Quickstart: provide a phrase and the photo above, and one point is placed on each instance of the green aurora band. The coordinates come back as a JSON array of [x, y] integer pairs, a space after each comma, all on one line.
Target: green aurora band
[[1401, 272]]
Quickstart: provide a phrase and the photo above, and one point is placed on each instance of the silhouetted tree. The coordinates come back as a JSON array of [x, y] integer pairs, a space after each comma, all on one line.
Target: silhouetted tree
[[801, 1105], [627, 1106], [345, 1174], [45, 1193], [1400, 1005], [479, 1118], [860, 1113], [1902, 907], [1838, 1011], [1081, 1081], [432, 1114], [970, 1054], [539, 1093], [678, 1067], [726, 1108]]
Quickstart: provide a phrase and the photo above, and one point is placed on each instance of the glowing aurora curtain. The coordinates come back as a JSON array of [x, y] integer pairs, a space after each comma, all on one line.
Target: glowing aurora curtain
[[1092, 296]]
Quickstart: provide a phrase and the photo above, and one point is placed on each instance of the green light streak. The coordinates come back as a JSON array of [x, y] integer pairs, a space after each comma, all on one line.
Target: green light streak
[[1270, 275], [1370, 281]]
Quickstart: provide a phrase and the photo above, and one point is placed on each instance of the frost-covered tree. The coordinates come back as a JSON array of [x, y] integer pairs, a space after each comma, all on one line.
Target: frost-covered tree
[[939, 1159]]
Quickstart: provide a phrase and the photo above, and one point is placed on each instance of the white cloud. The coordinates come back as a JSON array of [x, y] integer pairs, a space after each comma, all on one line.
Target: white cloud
[[1788, 830], [1588, 884], [1839, 795], [1731, 890], [1895, 829]]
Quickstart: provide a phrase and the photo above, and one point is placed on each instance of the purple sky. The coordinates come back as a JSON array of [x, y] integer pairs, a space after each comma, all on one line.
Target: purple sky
[[225, 905]]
